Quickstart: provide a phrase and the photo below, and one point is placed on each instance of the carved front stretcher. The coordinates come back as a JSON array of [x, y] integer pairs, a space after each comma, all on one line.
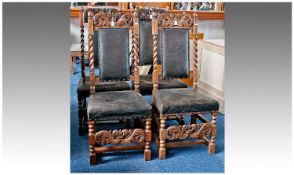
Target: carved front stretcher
[[120, 136], [188, 131]]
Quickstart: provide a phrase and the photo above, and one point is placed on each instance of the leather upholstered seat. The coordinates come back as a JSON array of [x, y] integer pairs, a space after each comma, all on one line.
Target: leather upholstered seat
[[174, 101], [84, 88], [146, 85], [117, 105]]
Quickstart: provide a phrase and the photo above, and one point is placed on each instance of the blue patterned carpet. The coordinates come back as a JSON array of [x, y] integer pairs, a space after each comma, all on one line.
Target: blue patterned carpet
[[193, 159]]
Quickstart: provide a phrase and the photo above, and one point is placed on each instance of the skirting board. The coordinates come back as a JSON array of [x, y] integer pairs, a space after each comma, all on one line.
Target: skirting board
[[214, 93]]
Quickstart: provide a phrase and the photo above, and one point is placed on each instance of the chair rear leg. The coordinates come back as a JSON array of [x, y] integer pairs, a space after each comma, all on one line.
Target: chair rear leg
[[138, 123], [92, 142], [162, 138], [193, 119], [211, 145], [127, 123], [181, 120], [80, 114], [147, 151]]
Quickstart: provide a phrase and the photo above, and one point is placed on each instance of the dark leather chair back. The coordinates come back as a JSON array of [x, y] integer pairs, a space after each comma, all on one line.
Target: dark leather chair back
[[113, 47], [145, 41], [175, 53], [146, 46], [96, 53], [113, 44]]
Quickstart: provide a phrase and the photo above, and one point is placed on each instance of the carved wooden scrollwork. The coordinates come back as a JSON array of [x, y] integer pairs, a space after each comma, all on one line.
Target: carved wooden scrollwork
[[120, 136], [144, 13], [107, 11], [103, 19], [185, 131], [185, 20], [160, 10], [114, 16], [125, 20], [165, 20], [171, 19]]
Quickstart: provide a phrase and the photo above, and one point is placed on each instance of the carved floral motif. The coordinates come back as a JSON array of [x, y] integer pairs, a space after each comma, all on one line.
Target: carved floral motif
[[165, 20], [185, 21], [171, 19], [102, 19], [120, 136], [144, 13], [185, 131]]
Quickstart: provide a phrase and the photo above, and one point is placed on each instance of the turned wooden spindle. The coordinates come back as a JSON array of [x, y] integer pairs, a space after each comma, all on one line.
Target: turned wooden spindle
[[162, 138], [136, 51], [155, 52], [92, 142], [195, 56], [131, 53], [132, 49], [147, 151], [211, 145], [91, 52], [82, 45]]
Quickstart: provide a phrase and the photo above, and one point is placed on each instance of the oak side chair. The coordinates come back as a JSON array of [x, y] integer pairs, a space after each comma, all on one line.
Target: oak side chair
[[113, 44], [83, 90], [146, 53], [182, 102]]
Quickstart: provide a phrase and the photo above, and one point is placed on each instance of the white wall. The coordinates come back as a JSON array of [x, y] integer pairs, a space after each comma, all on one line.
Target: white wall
[[75, 31], [212, 69], [212, 29]]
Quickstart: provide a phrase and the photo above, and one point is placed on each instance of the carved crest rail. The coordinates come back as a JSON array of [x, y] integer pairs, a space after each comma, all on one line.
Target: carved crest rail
[[122, 19], [172, 19]]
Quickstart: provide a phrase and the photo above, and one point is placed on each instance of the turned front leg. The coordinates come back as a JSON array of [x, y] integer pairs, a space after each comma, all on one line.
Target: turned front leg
[[211, 146], [147, 151], [162, 138], [92, 130]]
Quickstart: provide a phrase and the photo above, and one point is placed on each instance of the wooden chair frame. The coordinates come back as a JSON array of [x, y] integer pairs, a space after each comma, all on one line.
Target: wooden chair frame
[[82, 108], [143, 13], [181, 132], [128, 20], [81, 99]]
